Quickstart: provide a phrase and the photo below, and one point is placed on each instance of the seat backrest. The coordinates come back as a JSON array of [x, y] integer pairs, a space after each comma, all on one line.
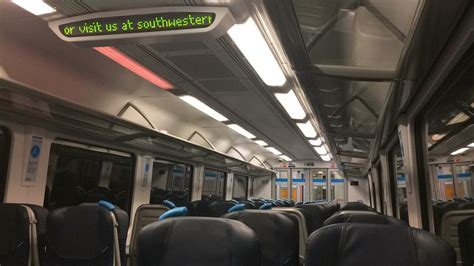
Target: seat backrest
[[144, 215], [364, 217], [219, 208], [449, 228], [318, 215], [356, 206], [198, 241], [466, 240], [202, 207], [277, 233], [302, 231], [377, 244], [84, 235], [15, 233]]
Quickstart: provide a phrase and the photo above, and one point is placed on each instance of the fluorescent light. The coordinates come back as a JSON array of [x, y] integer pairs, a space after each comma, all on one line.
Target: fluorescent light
[[252, 44], [261, 143], [326, 158], [471, 145], [273, 150], [286, 158], [203, 107], [292, 106], [241, 131], [132, 65], [459, 151], [37, 7], [307, 129], [321, 150], [316, 142], [459, 118]]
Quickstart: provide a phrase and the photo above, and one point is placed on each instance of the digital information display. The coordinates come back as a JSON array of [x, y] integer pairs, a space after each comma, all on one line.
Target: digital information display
[[138, 23]]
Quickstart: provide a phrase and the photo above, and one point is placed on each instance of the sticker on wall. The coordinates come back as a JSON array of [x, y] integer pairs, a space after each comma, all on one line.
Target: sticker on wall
[[34, 153], [146, 172]]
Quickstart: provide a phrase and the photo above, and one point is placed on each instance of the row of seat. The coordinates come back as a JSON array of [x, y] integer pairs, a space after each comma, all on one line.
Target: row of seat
[[88, 234], [95, 234], [447, 217]]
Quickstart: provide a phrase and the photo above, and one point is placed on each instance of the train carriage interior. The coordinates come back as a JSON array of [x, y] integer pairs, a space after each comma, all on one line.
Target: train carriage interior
[[236, 132]]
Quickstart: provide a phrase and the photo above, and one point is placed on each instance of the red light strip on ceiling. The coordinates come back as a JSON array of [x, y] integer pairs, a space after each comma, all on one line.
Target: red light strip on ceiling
[[132, 65]]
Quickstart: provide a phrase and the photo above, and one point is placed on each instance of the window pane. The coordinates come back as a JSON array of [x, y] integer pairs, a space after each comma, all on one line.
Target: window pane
[[239, 188], [4, 155], [171, 181], [78, 175], [213, 187], [401, 186]]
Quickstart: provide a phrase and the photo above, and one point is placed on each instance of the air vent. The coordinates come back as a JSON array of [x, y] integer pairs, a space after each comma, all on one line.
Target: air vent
[[201, 66], [178, 47], [70, 8]]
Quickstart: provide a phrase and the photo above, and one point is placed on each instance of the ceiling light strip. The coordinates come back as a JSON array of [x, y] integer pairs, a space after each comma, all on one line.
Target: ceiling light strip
[[36, 7], [250, 41], [203, 108]]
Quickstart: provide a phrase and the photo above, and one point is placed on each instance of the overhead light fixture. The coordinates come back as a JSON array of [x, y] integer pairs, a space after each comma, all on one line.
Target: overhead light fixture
[[273, 150], [326, 158], [286, 158], [459, 151], [241, 131], [307, 129], [37, 7], [132, 65], [471, 145], [459, 118], [203, 108], [316, 142], [252, 44], [292, 105], [321, 150], [261, 143]]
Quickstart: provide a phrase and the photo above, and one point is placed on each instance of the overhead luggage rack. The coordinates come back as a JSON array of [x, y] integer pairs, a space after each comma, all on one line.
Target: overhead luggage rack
[[19, 102]]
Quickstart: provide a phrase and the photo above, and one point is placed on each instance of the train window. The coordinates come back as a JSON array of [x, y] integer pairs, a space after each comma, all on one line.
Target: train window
[[319, 180], [450, 138], [171, 181], [80, 173], [401, 184], [4, 156], [281, 184], [240, 187], [214, 185]]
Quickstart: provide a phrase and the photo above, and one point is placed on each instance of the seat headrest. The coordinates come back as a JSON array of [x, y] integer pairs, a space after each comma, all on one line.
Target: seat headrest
[[376, 244], [238, 207], [365, 217], [198, 241], [176, 212], [169, 204], [266, 206], [80, 232]]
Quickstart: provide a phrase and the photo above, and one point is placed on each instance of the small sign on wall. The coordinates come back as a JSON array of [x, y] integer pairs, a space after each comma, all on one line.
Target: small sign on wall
[[34, 153], [354, 183], [146, 172]]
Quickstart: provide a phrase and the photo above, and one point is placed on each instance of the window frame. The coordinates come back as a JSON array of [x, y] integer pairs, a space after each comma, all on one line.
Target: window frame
[[191, 183], [224, 190], [5, 162], [247, 179], [106, 150]]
